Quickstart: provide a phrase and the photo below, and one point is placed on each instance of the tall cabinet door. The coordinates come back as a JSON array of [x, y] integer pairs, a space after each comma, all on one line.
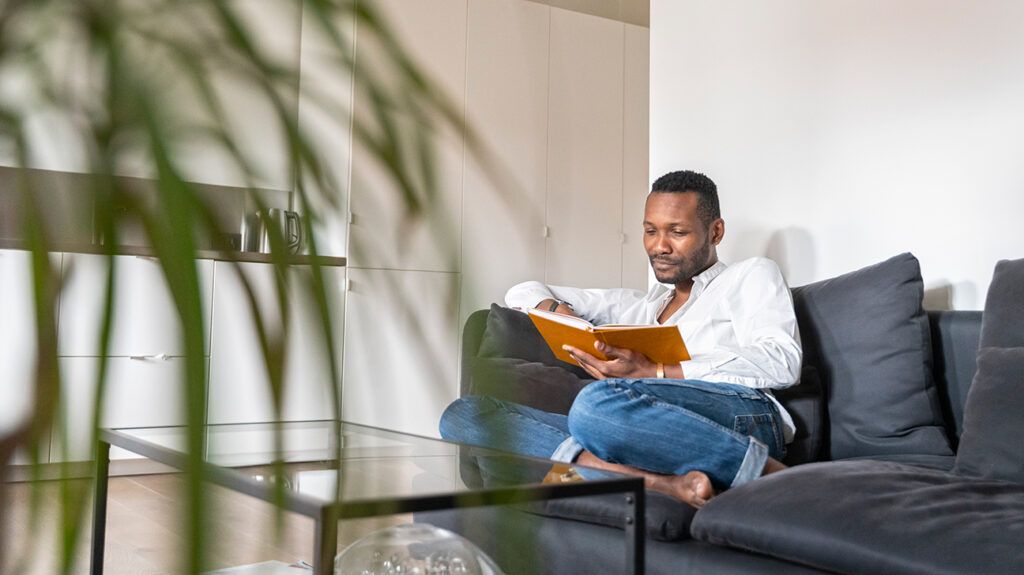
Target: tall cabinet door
[[381, 233], [506, 102], [240, 389], [325, 116], [17, 342], [584, 201], [402, 347], [636, 181]]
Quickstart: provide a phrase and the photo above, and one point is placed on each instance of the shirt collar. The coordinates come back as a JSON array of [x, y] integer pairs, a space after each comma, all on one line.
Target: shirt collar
[[700, 281], [713, 271]]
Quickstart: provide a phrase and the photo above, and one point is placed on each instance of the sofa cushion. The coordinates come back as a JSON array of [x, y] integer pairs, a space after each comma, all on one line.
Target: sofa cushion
[[868, 337], [665, 518], [806, 405], [872, 517], [994, 417], [511, 334], [1003, 322], [528, 383]]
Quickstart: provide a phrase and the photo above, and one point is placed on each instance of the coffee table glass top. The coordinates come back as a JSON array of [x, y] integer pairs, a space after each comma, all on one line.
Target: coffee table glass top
[[373, 464]]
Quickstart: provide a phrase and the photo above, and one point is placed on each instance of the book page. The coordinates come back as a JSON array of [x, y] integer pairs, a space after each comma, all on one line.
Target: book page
[[571, 321]]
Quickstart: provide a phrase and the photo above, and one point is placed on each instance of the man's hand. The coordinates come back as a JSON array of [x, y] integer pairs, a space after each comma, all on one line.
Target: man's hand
[[621, 362], [562, 308]]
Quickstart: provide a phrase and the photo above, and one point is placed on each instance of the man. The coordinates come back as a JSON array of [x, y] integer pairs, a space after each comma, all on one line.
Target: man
[[691, 428]]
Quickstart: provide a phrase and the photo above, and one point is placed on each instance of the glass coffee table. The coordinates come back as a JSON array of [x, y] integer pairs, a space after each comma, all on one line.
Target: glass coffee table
[[338, 470]]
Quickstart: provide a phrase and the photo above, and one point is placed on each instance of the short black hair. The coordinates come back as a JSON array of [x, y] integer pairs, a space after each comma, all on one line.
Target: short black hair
[[688, 181]]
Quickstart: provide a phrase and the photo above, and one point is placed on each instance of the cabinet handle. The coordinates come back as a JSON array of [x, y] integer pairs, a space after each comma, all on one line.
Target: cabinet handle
[[545, 232], [157, 357]]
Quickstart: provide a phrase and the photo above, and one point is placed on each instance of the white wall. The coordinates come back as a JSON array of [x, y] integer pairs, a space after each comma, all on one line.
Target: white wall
[[843, 132]]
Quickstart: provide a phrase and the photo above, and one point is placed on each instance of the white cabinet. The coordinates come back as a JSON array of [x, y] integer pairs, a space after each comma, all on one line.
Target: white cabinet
[[584, 201], [507, 104], [249, 115], [401, 352], [239, 385], [636, 179], [145, 317], [381, 235], [325, 116], [139, 393], [17, 341]]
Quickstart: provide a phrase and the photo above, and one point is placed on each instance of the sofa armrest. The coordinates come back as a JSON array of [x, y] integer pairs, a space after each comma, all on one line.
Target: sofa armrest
[[472, 335]]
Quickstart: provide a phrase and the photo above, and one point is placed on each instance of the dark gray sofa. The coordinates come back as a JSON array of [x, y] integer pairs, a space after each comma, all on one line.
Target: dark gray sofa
[[858, 499]]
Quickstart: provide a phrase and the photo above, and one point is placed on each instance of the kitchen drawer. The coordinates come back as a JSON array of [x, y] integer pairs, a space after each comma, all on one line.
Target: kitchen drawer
[[139, 393], [145, 319], [239, 387]]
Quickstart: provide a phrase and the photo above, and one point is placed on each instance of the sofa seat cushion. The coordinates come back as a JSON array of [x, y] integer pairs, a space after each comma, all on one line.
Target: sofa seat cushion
[[868, 337], [938, 462], [666, 519], [873, 517]]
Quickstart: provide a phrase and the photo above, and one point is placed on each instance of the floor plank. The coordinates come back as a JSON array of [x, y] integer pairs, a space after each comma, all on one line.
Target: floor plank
[[146, 534]]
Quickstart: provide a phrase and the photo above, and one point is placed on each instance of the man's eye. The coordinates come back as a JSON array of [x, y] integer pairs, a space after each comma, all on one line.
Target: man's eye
[[679, 234], [649, 232]]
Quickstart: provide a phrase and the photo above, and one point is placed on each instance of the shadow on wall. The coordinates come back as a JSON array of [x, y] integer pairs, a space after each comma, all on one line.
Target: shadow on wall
[[943, 295], [793, 249]]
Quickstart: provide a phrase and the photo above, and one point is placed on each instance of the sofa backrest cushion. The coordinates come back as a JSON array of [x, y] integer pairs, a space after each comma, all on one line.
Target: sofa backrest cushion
[[994, 413], [511, 334], [1003, 321], [994, 417], [955, 336], [869, 338]]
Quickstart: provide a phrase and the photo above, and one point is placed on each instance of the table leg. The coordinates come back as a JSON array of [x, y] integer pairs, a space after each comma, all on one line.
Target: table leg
[[99, 509], [326, 545], [635, 527]]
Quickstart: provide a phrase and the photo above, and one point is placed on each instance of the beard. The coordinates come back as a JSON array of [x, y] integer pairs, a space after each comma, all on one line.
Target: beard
[[683, 267]]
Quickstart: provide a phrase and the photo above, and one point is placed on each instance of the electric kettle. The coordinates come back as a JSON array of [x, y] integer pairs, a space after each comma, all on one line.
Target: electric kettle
[[257, 225]]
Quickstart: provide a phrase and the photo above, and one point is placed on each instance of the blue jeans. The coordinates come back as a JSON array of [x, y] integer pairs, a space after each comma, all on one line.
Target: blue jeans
[[659, 425]]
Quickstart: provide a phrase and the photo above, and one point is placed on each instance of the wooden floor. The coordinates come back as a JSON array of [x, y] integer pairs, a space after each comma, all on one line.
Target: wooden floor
[[145, 533]]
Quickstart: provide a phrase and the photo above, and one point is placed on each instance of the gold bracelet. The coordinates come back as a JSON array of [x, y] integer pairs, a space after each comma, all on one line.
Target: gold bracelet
[[661, 371]]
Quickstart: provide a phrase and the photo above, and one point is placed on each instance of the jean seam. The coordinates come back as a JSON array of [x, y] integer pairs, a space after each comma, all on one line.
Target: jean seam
[[537, 421], [692, 415], [752, 395]]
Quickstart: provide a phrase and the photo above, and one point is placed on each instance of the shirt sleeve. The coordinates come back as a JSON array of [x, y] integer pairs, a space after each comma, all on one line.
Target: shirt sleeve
[[598, 306], [766, 351]]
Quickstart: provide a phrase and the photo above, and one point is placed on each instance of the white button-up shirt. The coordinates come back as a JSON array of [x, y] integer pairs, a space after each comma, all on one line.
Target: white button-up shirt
[[738, 324]]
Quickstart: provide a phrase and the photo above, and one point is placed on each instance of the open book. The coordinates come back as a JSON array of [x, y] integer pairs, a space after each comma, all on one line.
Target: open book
[[660, 343]]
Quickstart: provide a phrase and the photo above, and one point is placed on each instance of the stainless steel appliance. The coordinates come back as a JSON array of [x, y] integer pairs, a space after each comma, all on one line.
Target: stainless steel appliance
[[257, 225]]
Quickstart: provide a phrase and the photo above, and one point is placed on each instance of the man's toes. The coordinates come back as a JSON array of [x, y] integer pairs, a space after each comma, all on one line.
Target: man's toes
[[700, 484]]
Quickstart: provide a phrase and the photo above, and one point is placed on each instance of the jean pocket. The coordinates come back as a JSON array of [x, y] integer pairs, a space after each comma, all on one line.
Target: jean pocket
[[763, 427]]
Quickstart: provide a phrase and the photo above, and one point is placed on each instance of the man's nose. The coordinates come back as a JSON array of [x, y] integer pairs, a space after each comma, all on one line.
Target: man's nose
[[661, 245]]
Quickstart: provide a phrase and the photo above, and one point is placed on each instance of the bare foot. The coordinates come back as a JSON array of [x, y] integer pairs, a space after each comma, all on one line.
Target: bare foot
[[693, 488]]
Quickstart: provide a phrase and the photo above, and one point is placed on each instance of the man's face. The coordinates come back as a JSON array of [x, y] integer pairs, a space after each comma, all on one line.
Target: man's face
[[679, 244]]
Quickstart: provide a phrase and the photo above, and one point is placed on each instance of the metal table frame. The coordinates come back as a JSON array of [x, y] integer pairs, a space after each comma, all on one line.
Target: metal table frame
[[327, 514]]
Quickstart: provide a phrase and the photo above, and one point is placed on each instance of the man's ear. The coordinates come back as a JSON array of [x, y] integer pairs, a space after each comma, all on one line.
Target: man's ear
[[717, 231]]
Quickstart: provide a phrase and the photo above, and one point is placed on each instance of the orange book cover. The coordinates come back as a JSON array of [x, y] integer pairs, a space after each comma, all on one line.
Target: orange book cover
[[660, 343]]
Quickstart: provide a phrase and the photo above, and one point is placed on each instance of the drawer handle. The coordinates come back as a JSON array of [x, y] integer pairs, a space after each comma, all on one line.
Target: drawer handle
[[157, 357]]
